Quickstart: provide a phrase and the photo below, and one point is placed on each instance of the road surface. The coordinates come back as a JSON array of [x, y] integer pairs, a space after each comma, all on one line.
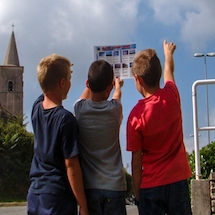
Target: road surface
[[21, 210]]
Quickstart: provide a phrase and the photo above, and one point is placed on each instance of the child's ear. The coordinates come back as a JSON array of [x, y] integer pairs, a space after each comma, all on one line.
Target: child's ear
[[138, 79], [61, 83], [109, 88], [87, 84]]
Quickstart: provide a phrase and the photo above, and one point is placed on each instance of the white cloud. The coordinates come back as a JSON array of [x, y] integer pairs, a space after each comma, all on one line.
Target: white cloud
[[195, 20], [170, 12], [70, 28], [73, 20], [198, 27]]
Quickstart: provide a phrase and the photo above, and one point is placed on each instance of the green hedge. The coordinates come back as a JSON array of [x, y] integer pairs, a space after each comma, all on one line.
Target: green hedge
[[16, 151]]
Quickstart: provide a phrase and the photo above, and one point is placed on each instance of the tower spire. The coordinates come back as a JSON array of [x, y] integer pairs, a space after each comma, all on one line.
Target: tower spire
[[13, 26], [11, 57]]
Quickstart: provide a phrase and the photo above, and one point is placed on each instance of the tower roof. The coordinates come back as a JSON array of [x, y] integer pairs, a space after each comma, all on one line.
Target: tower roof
[[11, 57]]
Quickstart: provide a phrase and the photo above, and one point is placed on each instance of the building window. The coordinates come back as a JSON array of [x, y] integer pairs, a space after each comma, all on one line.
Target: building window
[[10, 86]]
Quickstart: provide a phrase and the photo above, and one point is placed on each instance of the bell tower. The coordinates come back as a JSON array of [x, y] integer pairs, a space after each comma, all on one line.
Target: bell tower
[[11, 81]]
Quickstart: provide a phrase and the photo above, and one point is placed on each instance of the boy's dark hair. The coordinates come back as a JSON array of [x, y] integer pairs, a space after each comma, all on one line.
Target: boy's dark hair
[[100, 76], [147, 65]]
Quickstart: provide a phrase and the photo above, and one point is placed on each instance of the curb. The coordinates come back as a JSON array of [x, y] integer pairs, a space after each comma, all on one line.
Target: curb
[[10, 204]]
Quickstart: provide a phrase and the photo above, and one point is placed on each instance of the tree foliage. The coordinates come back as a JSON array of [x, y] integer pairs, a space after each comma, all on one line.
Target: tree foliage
[[16, 151], [130, 189], [207, 160]]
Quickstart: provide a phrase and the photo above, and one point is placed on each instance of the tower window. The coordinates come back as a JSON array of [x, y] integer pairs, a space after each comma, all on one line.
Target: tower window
[[10, 86]]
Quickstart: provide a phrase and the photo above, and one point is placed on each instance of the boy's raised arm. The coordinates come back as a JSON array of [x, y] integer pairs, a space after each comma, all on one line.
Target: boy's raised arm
[[85, 94], [169, 49], [117, 92]]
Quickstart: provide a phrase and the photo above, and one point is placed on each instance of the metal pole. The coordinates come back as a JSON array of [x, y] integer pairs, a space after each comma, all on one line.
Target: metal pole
[[207, 105], [196, 128]]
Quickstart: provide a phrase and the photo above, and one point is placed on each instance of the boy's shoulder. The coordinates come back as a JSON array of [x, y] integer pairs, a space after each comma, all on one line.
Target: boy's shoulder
[[89, 101], [66, 113], [60, 114], [171, 85], [82, 104], [64, 117]]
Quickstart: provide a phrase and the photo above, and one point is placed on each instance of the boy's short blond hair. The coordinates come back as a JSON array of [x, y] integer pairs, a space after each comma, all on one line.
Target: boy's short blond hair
[[51, 69], [147, 65]]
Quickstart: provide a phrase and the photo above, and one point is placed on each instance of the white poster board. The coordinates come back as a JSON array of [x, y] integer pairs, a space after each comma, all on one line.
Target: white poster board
[[120, 57]]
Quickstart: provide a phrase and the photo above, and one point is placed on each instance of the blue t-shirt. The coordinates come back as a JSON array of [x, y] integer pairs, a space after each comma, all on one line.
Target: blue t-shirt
[[55, 139]]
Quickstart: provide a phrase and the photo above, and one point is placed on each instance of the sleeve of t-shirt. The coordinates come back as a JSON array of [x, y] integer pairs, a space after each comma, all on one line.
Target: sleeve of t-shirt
[[38, 100], [118, 109], [69, 135], [134, 138], [170, 85], [77, 106]]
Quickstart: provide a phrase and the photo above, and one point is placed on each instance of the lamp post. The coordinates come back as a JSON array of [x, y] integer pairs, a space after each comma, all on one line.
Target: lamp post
[[211, 54]]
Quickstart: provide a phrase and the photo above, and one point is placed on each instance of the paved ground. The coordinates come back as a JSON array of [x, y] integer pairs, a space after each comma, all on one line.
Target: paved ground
[[13, 210], [131, 210], [21, 210]]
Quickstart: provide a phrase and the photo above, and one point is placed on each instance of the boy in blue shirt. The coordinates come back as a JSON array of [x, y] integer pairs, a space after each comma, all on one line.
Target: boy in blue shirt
[[56, 176]]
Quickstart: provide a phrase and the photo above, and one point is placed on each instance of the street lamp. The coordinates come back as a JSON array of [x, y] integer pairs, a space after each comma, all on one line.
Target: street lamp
[[211, 54]]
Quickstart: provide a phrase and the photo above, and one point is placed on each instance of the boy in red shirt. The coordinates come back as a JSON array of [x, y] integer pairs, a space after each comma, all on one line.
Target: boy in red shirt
[[160, 166]]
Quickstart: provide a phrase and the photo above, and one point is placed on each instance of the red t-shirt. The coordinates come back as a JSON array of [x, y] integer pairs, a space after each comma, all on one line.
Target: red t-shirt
[[155, 126]]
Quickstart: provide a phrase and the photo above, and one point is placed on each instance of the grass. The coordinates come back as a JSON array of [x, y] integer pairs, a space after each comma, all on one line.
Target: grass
[[12, 199]]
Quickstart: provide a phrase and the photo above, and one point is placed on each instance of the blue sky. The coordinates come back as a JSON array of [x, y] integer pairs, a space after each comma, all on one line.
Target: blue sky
[[72, 28]]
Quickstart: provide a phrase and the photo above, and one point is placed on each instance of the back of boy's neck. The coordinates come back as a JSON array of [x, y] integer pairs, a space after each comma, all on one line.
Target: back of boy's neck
[[51, 102], [98, 97], [150, 91]]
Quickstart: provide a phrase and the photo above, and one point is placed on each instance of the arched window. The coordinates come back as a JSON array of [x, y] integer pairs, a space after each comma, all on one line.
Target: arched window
[[10, 86]]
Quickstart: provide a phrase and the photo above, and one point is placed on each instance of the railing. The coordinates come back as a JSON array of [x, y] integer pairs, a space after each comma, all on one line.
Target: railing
[[196, 127]]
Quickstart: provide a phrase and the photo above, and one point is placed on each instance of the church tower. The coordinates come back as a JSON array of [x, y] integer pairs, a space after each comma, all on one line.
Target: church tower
[[11, 82]]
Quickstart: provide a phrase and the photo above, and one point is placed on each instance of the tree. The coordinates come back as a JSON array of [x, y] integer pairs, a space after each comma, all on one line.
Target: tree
[[130, 190], [16, 151], [207, 160]]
